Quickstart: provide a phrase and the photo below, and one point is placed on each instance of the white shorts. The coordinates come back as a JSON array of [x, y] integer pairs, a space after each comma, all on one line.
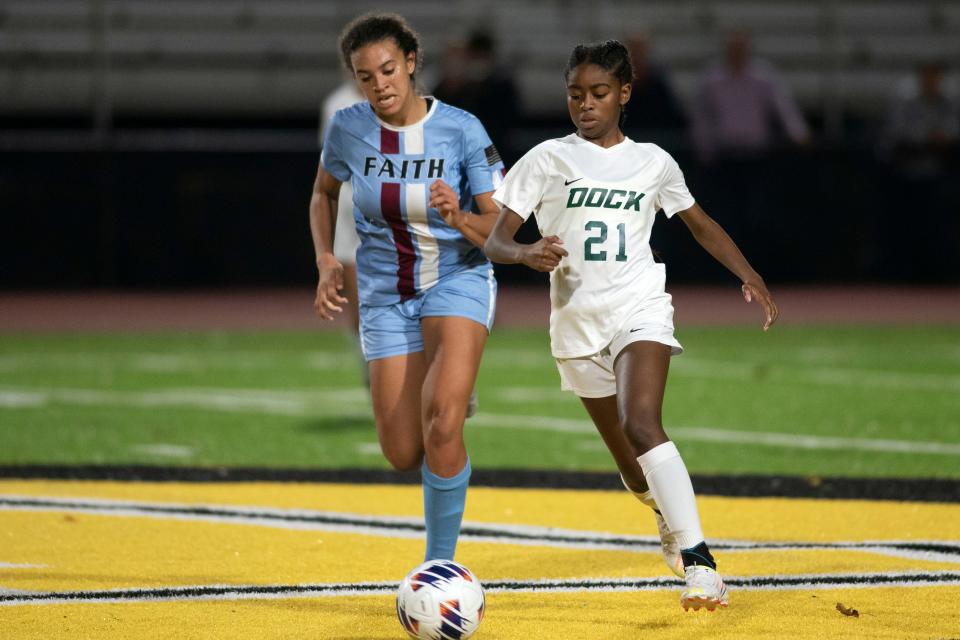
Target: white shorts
[[592, 376], [345, 240]]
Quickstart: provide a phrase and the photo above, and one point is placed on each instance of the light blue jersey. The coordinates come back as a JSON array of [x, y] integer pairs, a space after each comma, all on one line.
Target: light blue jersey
[[405, 246]]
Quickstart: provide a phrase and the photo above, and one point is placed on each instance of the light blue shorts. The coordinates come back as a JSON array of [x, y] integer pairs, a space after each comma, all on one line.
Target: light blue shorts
[[394, 330]]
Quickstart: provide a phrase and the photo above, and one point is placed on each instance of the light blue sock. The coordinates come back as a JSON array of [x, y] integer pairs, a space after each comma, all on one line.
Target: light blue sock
[[443, 502]]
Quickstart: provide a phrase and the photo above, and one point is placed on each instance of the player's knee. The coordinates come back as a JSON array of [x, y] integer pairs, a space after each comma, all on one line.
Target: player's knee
[[440, 437], [403, 454], [444, 425], [643, 429], [406, 464], [403, 458]]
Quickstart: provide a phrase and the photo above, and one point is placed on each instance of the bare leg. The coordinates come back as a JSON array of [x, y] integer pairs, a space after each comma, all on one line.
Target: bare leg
[[641, 372], [604, 413], [453, 347], [395, 386], [606, 416]]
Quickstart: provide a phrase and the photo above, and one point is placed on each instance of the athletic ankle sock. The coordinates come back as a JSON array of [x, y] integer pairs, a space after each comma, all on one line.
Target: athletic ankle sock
[[646, 497], [699, 554], [443, 503], [672, 490]]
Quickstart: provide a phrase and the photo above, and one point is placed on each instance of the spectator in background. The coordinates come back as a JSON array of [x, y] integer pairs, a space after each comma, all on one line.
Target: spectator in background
[[923, 126], [453, 77], [743, 106], [653, 113], [921, 139], [345, 240], [474, 81], [742, 113]]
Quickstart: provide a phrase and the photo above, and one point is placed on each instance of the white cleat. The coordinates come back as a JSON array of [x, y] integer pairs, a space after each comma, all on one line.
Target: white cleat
[[705, 588], [669, 546]]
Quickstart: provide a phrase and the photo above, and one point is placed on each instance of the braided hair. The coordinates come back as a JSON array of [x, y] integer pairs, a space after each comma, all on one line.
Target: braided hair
[[611, 56]]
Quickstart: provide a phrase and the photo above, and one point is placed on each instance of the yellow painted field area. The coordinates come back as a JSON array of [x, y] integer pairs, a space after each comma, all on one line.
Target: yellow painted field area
[[276, 560]]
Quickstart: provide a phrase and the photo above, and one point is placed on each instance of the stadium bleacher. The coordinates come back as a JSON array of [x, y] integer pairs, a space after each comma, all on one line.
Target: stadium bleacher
[[280, 56]]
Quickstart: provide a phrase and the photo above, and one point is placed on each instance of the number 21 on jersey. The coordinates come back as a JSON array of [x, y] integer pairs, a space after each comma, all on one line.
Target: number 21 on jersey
[[591, 244]]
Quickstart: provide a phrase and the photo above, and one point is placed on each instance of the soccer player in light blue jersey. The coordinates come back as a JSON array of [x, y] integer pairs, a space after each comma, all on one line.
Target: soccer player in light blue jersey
[[422, 174]]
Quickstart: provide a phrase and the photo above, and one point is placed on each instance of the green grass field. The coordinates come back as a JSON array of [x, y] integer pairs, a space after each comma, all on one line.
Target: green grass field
[[851, 401]]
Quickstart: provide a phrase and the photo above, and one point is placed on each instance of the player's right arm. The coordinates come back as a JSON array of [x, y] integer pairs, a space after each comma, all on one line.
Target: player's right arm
[[712, 237], [543, 255], [522, 190], [323, 213]]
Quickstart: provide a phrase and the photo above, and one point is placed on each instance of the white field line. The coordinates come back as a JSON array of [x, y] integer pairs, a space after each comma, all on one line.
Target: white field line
[[208, 592], [518, 358], [829, 376], [530, 422], [691, 366], [164, 450], [601, 584], [726, 370], [368, 448], [292, 403], [724, 436], [308, 403], [909, 554], [336, 522], [286, 518], [412, 527], [798, 441], [529, 395], [175, 362]]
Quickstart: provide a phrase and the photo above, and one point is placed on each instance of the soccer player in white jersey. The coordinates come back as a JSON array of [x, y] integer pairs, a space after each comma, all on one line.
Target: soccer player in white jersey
[[595, 194], [422, 174]]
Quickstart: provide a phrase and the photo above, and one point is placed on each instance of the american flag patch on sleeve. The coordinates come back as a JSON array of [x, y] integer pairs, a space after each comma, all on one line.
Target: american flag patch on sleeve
[[493, 156]]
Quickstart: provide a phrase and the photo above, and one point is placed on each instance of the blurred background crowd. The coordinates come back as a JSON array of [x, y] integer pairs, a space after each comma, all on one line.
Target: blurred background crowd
[[148, 143]]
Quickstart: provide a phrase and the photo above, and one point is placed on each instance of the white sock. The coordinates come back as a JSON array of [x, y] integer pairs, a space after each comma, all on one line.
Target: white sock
[[672, 490], [646, 497]]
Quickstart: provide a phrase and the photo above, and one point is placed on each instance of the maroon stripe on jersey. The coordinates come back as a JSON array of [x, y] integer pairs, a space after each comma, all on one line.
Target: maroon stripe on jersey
[[389, 141], [406, 255]]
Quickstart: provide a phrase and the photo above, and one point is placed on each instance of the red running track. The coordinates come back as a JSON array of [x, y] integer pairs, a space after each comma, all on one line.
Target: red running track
[[277, 309]]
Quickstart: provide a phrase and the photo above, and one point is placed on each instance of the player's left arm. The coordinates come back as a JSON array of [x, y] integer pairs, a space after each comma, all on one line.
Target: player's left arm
[[475, 227], [718, 244]]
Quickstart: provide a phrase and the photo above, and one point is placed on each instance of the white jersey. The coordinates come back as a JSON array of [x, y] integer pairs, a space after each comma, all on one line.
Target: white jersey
[[601, 203]]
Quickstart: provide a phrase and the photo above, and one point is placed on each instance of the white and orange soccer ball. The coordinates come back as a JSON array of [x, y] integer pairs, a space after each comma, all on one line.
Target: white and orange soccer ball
[[440, 600]]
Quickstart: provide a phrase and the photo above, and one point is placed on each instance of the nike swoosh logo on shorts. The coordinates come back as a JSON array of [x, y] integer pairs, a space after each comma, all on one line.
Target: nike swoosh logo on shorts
[[567, 183], [632, 330]]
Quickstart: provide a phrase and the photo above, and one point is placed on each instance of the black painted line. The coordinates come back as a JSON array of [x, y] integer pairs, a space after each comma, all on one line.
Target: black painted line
[[466, 532], [210, 512], [503, 586], [910, 489]]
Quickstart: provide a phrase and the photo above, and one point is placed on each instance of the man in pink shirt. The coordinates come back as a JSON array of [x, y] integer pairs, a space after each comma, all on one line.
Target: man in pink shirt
[[743, 107], [741, 116]]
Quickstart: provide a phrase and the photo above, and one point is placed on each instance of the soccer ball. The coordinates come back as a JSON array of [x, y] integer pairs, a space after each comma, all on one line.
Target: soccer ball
[[440, 600]]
